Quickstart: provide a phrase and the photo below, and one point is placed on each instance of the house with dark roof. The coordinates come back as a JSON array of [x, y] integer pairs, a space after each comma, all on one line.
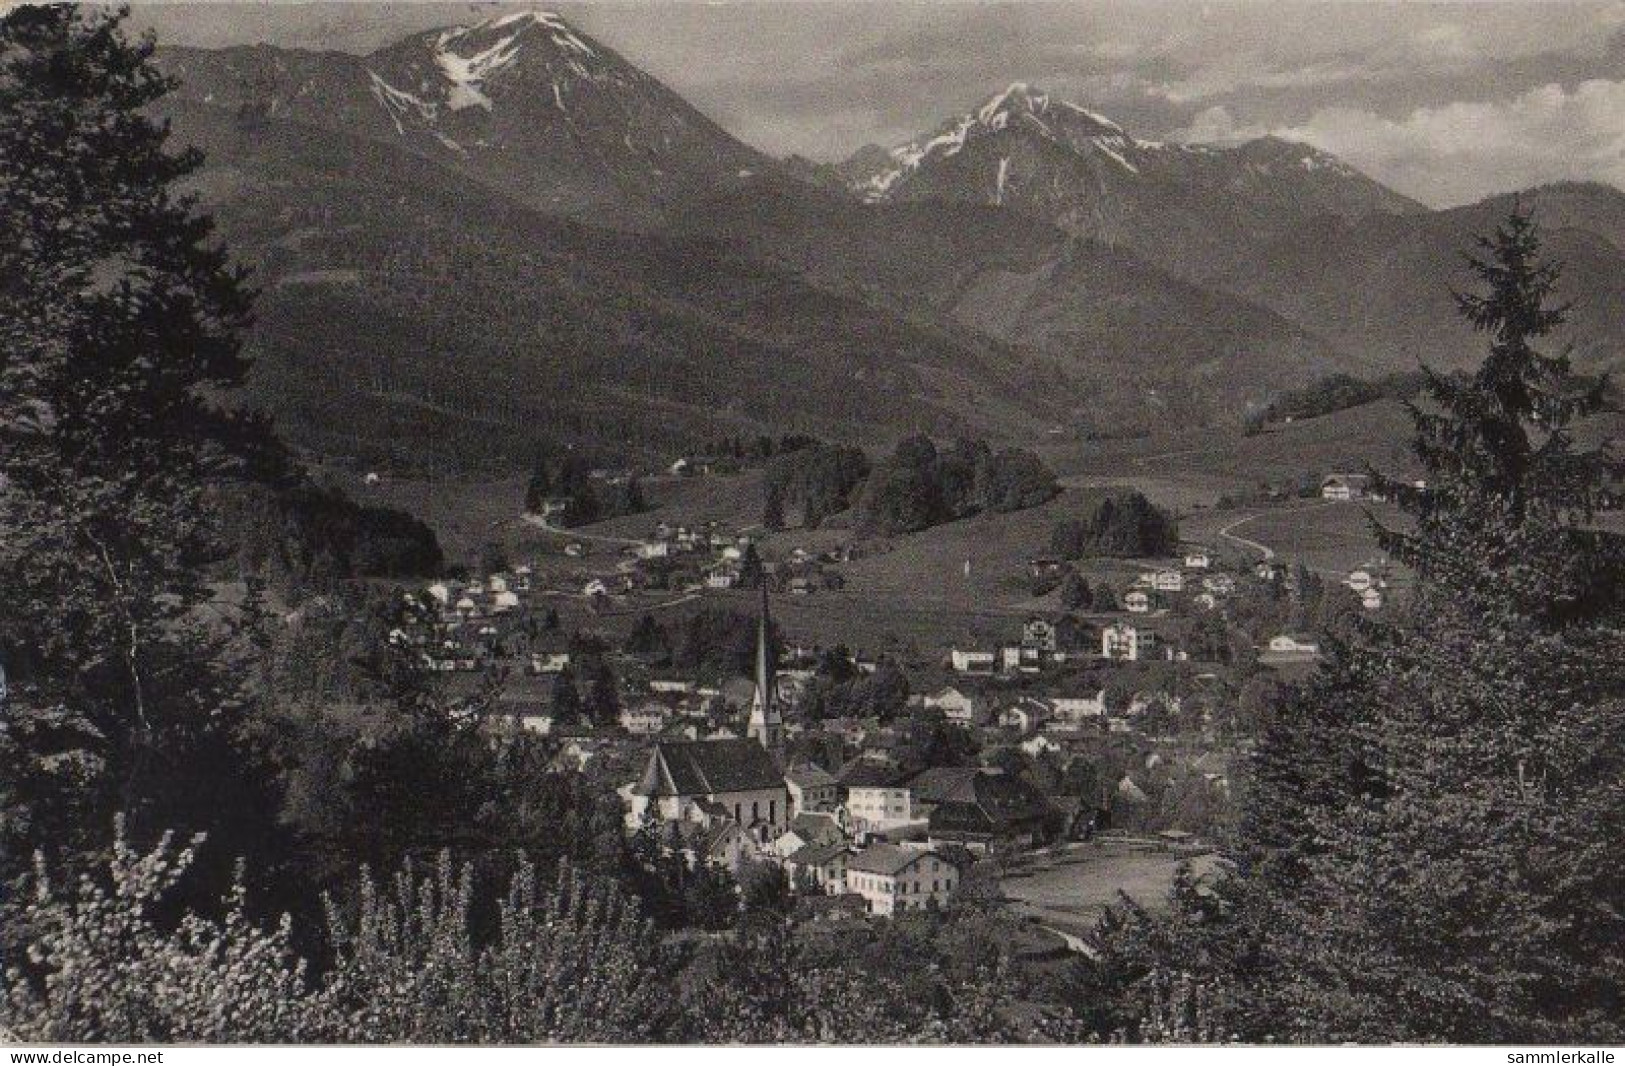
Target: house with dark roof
[[812, 788], [810, 827], [824, 864], [718, 843], [980, 808], [739, 775], [892, 879]]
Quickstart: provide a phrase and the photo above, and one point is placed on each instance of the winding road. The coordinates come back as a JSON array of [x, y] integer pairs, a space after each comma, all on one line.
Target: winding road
[[575, 534], [1265, 552]]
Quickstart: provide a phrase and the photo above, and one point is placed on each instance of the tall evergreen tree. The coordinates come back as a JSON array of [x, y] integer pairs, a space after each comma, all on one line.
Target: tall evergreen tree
[[119, 323], [1424, 850]]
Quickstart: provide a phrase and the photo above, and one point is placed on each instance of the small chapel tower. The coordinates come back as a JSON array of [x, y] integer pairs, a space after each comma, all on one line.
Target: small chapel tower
[[766, 722]]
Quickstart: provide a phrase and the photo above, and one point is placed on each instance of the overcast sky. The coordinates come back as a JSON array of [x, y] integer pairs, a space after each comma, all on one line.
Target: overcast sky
[[1445, 102]]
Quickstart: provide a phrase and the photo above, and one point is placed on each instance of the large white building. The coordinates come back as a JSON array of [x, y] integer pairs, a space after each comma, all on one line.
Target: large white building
[[893, 879], [1125, 642], [875, 799]]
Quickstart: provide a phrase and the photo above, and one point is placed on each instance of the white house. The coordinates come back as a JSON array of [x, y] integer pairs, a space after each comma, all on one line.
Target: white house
[[1038, 634], [811, 788], [1198, 559], [1025, 715], [973, 662], [956, 706], [1289, 648], [596, 587], [1345, 487], [1168, 581], [645, 719], [875, 799], [826, 864], [1371, 599], [1074, 709], [892, 879], [1124, 642]]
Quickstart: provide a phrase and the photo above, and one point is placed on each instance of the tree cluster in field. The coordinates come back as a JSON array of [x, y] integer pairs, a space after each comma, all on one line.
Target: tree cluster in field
[[1122, 525], [1335, 392], [739, 452], [568, 478], [838, 689], [307, 537], [817, 478], [919, 486]]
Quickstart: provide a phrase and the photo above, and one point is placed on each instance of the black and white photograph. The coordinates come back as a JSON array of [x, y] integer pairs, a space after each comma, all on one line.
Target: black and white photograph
[[812, 523]]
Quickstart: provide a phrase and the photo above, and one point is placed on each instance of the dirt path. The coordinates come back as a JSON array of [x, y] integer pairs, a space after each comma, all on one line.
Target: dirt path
[[1265, 552], [543, 524]]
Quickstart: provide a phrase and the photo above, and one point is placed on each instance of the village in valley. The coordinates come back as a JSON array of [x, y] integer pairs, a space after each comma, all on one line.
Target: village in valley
[[1087, 745]]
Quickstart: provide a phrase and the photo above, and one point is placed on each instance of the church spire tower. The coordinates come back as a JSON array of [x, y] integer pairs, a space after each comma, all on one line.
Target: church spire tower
[[766, 723]]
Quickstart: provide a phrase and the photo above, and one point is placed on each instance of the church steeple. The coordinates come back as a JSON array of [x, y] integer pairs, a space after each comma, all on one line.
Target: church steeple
[[766, 723]]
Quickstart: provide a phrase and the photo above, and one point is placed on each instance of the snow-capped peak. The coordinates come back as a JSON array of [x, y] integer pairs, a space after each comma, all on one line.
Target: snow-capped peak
[[1020, 106]]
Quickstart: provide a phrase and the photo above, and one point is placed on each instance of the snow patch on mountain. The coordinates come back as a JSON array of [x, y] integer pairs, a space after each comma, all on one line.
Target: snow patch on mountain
[[399, 104], [467, 74], [1018, 107]]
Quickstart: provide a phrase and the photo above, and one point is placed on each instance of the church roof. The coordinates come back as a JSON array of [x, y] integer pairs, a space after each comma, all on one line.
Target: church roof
[[707, 767]]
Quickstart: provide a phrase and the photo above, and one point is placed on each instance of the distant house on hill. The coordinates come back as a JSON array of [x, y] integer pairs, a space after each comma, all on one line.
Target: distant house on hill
[[1137, 601], [1285, 648], [1168, 581], [1124, 642], [645, 719], [1345, 487], [1038, 634], [973, 662], [956, 706], [1025, 715]]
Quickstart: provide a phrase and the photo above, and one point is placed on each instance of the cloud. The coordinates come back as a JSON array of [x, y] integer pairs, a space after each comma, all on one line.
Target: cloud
[[1462, 151]]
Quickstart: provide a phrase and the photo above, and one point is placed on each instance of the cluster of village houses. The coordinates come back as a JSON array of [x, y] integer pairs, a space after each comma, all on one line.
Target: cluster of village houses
[[867, 834], [687, 559], [862, 832]]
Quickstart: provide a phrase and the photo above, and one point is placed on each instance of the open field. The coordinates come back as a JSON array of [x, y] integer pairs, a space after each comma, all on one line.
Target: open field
[[1070, 893], [1210, 461]]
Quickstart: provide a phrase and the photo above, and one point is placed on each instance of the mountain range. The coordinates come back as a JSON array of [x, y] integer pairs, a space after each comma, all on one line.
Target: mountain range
[[485, 237]]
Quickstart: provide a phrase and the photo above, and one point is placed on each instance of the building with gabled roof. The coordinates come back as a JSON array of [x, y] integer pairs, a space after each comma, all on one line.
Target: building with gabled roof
[[736, 773], [892, 879], [812, 788], [979, 808], [824, 863]]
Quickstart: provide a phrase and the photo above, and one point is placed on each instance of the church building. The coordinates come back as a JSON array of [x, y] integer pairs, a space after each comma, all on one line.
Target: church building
[[735, 779]]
